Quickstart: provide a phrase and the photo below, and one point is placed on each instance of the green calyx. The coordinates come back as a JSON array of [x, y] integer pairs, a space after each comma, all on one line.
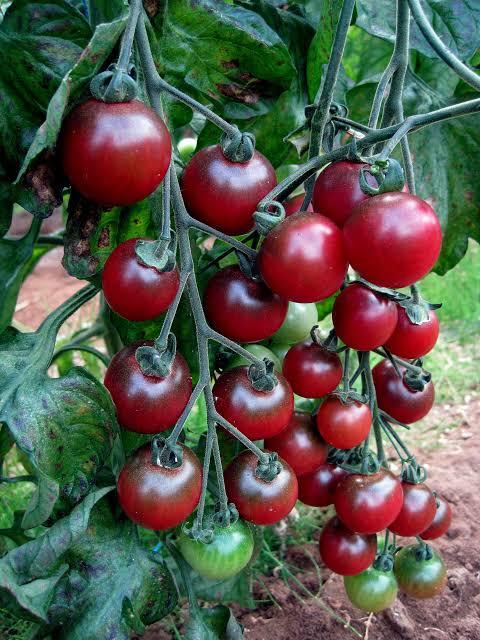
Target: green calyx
[[268, 467], [262, 376], [388, 175], [159, 254], [268, 217], [157, 361], [114, 85], [412, 472], [166, 454], [238, 146], [416, 380]]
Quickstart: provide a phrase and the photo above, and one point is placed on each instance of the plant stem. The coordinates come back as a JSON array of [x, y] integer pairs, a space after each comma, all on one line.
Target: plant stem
[[78, 347], [372, 399], [128, 35]]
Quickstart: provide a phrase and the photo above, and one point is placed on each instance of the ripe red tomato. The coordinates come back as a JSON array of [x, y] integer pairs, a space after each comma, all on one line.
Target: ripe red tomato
[[242, 309], [344, 551], [257, 500], [114, 153], [300, 444], [441, 521], [317, 489], [410, 340], [303, 258], [293, 205], [257, 414], [393, 239], [419, 578], [133, 290], [418, 510], [363, 319], [157, 497], [343, 426], [312, 370], [368, 504], [225, 194], [398, 400], [147, 404]]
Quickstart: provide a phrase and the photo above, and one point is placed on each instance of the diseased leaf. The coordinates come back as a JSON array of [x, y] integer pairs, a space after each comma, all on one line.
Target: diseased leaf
[[41, 504]]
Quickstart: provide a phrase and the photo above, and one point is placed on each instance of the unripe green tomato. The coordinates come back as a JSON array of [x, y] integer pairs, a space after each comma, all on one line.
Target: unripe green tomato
[[420, 578], [259, 351], [371, 590], [300, 318], [186, 148], [280, 350], [228, 553]]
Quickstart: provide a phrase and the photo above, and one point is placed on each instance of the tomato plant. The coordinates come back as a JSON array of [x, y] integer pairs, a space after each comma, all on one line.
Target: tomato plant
[[410, 340], [298, 322], [417, 512], [312, 370], [441, 521], [372, 590], [420, 577], [344, 551], [343, 425], [317, 489]]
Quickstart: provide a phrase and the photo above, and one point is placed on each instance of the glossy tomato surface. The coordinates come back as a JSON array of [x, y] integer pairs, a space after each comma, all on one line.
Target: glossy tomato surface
[[410, 340], [344, 551], [133, 290], [294, 205], [257, 500], [303, 258], [317, 489], [418, 510], [147, 404], [343, 426], [372, 590], [312, 370], [114, 153], [225, 194], [420, 578], [300, 318], [441, 521], [156, 497]]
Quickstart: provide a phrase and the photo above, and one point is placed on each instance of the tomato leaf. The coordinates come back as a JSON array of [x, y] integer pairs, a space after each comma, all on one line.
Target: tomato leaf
[[41, 505], [319, 51], [213, 623]]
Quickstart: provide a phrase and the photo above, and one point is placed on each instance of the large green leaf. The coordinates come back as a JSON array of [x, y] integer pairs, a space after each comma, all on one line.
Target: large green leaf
[[213, 623]]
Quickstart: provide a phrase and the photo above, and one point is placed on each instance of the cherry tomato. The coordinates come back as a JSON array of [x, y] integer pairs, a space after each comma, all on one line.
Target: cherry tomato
[[343, 426], [300, 318], [280, 350], [420, 578], [303, 258], [225, 194], [228, 553], [312, 370], [363, 319], [133, 290], [410, 340], [344, 551], [441, 521], [114, 153], [396, 398], [368, 504], [260, 352], [393, 239], [242, 309], [418, 510], [257, 500], [257, 414], [300, 444], [372, 590], [157, 497], [294, 205], [317, 489], [147, 404]]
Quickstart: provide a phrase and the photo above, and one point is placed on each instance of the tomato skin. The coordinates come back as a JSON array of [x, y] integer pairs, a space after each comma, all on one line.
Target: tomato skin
[[156, 497], [393, 239], [372, 590], [368, 504], [303, 258], [147, 404], [345, 552], [396, 399], [257, 414], [257, 500], [242, 309], [225, 194], [260, 352], [133, 290], [116, 139], [317, 489], [312, 370], [300, 444], [363, 319], [418, 510], [300, 318], [228, 553], [294, 205], [410, 340], [343, 426], [441, 521], [419, 578]]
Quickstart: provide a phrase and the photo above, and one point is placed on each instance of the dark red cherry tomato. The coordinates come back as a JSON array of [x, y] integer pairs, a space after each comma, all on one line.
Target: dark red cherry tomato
[[393, 239], [343, 426], [257, 500], [317, 489], [312, 370], [225, 194], [344, 551], [242, 309], [396, 398], [372, 590], [303, 258], [420, 578], [418, 510], [114, 153], [257, 414], [147, 404], [368, 504], [294, 205], [363, 319], [441, 521], [157, 497], [300, 444], [134, 291], [410, 340]]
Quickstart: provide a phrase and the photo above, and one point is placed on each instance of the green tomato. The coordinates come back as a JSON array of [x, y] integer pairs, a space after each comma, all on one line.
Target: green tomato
[[228, 553], [371, 590], [259, 351], [299, 320], [280, 350], [417, 577], [186, 148]]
